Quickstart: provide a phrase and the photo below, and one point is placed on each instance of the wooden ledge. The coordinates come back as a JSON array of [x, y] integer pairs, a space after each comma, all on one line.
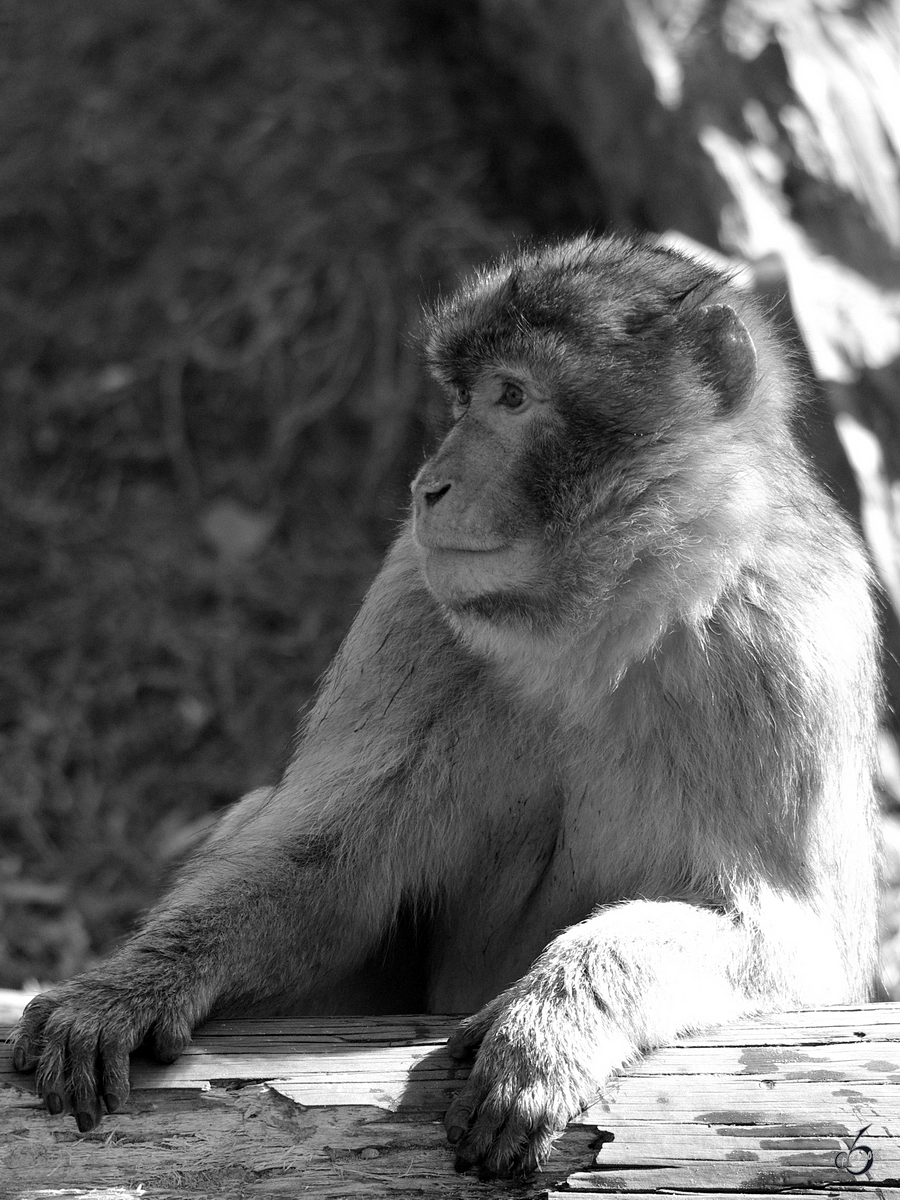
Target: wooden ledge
[[352, 1107]]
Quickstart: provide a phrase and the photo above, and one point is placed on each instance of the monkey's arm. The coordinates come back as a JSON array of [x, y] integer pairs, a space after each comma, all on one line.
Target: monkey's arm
[[296, 887], [631, 977]]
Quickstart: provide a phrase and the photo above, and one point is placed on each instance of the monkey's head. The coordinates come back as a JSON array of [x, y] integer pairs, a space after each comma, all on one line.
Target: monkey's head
[[613, 415]]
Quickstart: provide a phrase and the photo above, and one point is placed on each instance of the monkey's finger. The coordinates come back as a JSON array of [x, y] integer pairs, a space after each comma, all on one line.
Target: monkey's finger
[[50, 1075], [512, 1133], [524, 1139], [483, 1111], [537, 1149], [170, 1040], [460, 1114], [470, 1033], [29, 1027], [464, 1042], [114, 1075], [85, 1100], [82, 1076], [25, 1054], [475, 1148], [508, 1149]]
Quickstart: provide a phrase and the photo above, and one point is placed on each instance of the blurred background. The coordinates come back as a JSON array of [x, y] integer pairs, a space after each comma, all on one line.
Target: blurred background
[[218, 223]]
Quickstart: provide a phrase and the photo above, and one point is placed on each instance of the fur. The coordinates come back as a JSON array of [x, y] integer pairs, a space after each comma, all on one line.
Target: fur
[[594, 762]]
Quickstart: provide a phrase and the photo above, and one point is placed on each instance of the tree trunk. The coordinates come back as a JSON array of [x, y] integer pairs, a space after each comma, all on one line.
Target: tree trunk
[[770, 133]]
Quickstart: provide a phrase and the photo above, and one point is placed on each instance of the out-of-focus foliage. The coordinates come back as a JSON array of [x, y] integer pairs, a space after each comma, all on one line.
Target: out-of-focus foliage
[[218, 220], [217, 224]]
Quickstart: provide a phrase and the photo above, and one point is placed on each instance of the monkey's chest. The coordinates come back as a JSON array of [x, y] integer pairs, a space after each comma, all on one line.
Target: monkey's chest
[[519, 892]]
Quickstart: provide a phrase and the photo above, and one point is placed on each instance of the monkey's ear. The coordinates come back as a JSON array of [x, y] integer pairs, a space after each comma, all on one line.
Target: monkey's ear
[[724, 348]]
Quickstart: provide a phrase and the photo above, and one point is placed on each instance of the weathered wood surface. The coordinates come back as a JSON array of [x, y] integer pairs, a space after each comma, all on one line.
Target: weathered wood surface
[[352, 1108]]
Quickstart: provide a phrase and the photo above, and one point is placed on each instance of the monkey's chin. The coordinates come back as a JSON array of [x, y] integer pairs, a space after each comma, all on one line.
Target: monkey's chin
[[463, 579]]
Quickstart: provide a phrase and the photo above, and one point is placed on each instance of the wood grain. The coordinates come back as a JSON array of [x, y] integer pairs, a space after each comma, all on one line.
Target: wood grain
[[353, 1107]]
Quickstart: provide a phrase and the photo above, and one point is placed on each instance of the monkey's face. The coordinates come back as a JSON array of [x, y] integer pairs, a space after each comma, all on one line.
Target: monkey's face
[[597, 400], [479, 531]]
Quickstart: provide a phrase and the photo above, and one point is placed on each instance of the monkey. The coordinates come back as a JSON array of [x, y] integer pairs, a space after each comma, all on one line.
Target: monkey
[[594, 764]]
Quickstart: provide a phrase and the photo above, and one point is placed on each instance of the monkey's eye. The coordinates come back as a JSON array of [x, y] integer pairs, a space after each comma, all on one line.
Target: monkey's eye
[[463, 397], [512, 396]]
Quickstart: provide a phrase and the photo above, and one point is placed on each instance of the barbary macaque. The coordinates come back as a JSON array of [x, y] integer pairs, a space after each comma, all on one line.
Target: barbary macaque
[[594, 762]]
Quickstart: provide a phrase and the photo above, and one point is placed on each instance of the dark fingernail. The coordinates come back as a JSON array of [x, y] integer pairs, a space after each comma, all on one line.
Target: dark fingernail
[[112, 1102], [19, 1059], [461, 1164], [455, 1134], [54, 1103], [84, 1121]]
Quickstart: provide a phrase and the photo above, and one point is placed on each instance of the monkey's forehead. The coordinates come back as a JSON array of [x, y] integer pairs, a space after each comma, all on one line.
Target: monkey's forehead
[[539, 305]]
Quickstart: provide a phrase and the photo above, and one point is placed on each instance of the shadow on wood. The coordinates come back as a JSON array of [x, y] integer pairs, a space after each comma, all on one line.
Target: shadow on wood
[[352, 1107]]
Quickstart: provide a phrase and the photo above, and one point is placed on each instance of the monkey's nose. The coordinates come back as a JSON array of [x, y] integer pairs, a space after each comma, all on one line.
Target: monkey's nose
[[432, 495], [431, 491]]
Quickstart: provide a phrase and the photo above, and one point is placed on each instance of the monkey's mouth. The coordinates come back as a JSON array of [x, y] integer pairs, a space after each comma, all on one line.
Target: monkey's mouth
[[433, 545], [458, 571]]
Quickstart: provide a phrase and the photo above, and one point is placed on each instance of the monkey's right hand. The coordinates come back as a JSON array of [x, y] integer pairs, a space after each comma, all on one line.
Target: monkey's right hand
[[77, 1039]]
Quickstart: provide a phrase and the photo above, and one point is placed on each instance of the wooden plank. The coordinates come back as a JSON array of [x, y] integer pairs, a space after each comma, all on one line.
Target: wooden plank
[[674, 1140], [352, 1108], [582, 1187], [252, 1141], [740, 1100], [397, 1030], [473, 1193], [845, 1020], [209, 1060], [859, 1193], [838, 1060]]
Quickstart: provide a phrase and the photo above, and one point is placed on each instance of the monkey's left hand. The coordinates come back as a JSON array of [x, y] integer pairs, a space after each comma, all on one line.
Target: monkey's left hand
[[542, 1059]]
